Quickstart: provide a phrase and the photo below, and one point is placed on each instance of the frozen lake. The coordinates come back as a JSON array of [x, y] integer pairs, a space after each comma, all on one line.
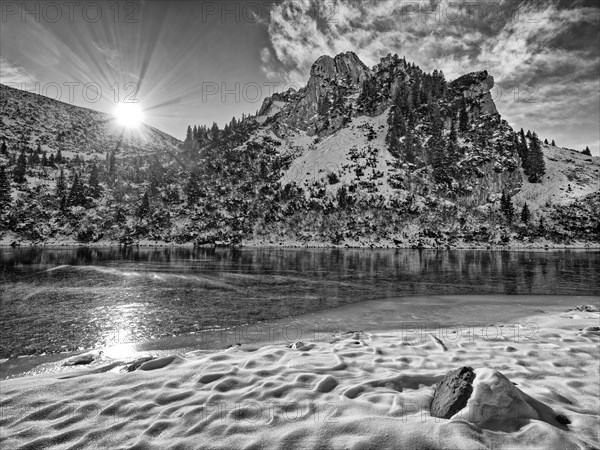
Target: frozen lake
[[57, 300]]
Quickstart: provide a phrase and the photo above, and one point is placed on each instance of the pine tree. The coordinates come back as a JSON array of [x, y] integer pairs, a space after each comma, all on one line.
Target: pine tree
[[368, 96], [51, 160], [34, 159], [77, 193], [452, 148], [5, 197], [525, 214], [94, 189], [436, 143], [342, 197], [144, 207], [416, 91], [397, 128], [61, 185], [192, 189], [58, 159], [44, 160], [188, 137], [541, 226], [392, 138], [4, 148], [409, 146], [215, 133], [463, 118], [524, 152], [535, 161], [507, 207], [20, 169], [587, 151], [226, 130], [546, 141], [553, 143], [111, 167], [155, 177]]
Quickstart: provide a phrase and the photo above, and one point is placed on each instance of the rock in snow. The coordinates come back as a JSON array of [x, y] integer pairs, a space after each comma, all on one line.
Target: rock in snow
[[452, 393], [495, 400], [80, 360]]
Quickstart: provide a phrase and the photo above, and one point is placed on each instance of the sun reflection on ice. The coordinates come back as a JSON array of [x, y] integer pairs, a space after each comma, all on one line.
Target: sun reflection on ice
[[121, 351]]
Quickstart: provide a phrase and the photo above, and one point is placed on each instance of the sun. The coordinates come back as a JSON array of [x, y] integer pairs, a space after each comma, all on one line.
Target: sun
[[129, 115]]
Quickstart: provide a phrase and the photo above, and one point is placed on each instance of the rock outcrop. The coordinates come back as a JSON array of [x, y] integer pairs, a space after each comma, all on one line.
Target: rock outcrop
[[476, 86], [342, 75], [452, 393]]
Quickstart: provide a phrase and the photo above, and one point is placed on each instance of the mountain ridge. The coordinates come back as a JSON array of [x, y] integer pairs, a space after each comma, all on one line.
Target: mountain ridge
[[41, 109], [381, 156]]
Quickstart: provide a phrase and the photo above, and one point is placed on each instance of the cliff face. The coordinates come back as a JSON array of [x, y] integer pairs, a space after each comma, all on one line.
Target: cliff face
[[342, 75], [477, 86]]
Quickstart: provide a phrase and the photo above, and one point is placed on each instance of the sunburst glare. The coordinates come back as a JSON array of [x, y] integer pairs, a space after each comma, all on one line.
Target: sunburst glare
[[129, 115]]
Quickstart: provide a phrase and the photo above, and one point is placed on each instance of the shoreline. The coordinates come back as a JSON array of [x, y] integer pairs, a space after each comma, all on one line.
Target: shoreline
[[314, 245], [411, 315]]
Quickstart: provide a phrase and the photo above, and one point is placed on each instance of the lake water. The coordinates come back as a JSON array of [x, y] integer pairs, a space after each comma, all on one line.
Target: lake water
[[57, 300]]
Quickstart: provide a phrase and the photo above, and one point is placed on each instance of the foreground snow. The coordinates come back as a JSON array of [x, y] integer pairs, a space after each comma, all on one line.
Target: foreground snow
[[354, 390]]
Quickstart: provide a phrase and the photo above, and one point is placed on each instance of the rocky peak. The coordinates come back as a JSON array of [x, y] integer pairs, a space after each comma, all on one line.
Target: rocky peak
[[326, 73], [345, 67], [477, 86], [343, 86], [340, 76]]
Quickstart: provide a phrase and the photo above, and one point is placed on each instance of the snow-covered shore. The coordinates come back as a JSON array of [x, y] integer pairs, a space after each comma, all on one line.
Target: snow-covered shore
[[353, 390], [9, 241]]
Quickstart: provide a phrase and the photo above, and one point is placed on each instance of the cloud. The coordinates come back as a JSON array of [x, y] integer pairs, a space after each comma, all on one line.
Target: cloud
[[523, 44], [11, 74]]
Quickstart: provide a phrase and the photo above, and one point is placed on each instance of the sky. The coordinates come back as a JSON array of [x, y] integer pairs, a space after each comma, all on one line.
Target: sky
[[195, 62]]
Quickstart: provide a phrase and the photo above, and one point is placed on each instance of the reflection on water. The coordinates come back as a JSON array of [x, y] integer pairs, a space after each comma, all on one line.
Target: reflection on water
[[65, 299]]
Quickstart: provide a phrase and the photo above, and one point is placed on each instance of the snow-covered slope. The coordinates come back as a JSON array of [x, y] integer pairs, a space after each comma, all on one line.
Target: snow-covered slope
[[27, 118], [570, 175], [381, 156], [350, 155]]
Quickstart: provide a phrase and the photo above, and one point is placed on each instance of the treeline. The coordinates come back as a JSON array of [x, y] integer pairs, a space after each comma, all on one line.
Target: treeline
[[201, 135], [421, 107], [431, 124], [69, 192], [529, 148]]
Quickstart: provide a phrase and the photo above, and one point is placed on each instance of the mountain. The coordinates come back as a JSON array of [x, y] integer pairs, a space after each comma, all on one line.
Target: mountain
[[381, 156], [31, 119], [351, 132]]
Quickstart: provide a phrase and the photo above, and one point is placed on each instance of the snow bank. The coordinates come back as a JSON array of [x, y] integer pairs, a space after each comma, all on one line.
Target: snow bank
[[354, 390]]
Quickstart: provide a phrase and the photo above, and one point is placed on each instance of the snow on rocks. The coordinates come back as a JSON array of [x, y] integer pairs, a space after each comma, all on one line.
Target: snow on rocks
[[497, 404], [495, 400], [78, 360]]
